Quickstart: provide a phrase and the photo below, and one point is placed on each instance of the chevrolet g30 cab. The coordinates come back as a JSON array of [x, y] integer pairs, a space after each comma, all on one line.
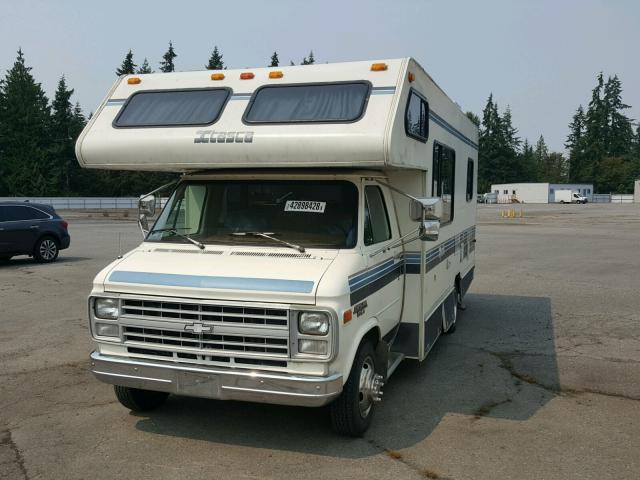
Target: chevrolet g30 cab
[[322, 231]]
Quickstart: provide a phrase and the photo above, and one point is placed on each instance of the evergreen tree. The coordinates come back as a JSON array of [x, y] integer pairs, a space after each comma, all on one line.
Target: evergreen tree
[[167, 65], [620, 133], [215, 60], [275, 61], [310, 60], [24, 133], [291, 63], [540, 157], [474, 118], [145, 67], [127, 67], [576, 146], [528, 162], [63, 159], [596, 130]]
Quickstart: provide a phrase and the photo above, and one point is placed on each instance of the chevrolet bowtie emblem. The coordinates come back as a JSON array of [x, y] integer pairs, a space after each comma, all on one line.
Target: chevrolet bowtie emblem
[[198, 328]]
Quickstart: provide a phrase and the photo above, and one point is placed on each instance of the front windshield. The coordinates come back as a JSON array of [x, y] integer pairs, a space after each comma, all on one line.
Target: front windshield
[[321, 214]]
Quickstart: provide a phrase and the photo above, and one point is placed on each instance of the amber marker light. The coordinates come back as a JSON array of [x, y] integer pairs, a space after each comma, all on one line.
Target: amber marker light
[[412, 77], [133, 80], [347, 316], [379, 67], [217, 76], [246, 76], [276, 74]]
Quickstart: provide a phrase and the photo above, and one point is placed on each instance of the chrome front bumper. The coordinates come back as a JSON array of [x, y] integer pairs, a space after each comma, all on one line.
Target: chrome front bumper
[[218, 383]]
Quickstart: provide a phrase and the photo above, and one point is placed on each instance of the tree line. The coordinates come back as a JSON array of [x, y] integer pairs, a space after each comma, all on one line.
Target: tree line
[[602, 147]]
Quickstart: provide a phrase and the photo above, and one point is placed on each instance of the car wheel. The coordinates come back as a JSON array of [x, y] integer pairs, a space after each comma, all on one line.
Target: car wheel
[[139, 400], [46, 250], [352, 411]]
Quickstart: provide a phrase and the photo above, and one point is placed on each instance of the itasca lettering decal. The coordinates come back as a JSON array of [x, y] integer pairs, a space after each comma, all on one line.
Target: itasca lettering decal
[[211, 136]]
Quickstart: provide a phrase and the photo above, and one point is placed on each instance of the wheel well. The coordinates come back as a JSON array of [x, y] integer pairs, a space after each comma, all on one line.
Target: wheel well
[[372, 335]]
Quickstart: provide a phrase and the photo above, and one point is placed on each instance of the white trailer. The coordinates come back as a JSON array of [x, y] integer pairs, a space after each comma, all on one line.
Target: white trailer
[[322, 231]]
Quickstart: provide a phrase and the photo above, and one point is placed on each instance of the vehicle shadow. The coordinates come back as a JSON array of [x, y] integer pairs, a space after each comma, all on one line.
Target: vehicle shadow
[[23, 261], [500, 363]]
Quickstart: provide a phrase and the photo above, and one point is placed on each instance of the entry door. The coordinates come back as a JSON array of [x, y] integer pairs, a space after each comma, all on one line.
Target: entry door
[[385, 268]]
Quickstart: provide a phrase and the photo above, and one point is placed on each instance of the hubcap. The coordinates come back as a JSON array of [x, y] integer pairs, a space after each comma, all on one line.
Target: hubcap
[[48, 249], [370, 387]]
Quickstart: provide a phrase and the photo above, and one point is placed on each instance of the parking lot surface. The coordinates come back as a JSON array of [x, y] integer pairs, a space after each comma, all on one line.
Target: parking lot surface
[[541, 380]]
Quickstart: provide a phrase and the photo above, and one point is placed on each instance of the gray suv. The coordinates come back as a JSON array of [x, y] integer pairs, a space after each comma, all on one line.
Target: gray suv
[[31, 229]]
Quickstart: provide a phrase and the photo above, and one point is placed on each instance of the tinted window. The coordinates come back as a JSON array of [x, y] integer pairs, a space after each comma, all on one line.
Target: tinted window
[[470, 166], [173, 107], [332, 102], [416, 120], [444, 164], [18, 212], [376, 220]]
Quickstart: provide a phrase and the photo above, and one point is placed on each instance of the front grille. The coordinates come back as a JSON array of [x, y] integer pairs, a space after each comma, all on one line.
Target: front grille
[[208, 341], [220, 314]]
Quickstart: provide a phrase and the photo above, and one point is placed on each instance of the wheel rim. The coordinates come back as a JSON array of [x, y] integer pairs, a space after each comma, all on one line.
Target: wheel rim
[[48, 249], [370, 387]]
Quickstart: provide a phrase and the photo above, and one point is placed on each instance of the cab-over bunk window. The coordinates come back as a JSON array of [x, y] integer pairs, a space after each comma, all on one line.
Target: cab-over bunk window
[[416, 118], [173, 108], [443, 178], [339, 102]]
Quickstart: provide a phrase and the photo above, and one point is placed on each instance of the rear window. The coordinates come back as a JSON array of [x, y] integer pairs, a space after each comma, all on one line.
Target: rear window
[[327, 102], [166, 108]]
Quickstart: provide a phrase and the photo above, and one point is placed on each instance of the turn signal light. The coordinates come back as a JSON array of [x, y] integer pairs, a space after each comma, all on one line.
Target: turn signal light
[[276, 74], [217, 76], [379, 67], [412, 77], [133, 80], [246, 76], [347, 316]]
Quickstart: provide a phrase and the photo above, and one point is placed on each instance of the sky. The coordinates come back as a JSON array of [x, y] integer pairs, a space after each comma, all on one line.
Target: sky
[[539, 57]]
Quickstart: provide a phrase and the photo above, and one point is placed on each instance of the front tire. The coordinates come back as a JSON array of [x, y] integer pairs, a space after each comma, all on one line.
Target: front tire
[[46, 250], [352, 411], [139, 400]]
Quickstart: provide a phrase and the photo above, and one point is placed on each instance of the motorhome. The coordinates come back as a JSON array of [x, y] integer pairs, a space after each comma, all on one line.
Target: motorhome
[[322, 231]]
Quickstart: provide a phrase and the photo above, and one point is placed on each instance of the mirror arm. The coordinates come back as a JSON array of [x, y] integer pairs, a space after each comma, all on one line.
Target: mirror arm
[[399, 242], [391, 187]]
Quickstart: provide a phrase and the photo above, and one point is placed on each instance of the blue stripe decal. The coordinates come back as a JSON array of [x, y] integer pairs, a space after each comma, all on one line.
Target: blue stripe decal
[[241, 96], [438, 120], [223, 283], [367, 273], [116, 101], [373, 278]]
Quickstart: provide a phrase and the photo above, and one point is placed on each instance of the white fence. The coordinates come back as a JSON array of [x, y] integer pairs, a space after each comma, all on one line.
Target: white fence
[[68, 203]]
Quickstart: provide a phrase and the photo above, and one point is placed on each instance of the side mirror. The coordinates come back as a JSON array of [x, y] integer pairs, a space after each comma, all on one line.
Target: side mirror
[[421, 209], [147, 205], [429, 230]]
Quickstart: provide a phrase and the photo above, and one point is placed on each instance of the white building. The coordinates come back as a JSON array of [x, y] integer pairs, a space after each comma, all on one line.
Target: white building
[[538, 192]]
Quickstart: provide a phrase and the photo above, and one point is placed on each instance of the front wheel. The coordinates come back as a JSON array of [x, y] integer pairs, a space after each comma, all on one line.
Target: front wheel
[[352, 411], [139, 400]]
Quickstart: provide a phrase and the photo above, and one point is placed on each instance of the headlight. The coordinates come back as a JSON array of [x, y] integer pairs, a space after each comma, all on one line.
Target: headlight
[[106, 308], [314, 323]]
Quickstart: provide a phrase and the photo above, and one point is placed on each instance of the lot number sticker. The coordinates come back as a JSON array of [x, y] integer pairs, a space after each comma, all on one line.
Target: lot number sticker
[[304, 206]]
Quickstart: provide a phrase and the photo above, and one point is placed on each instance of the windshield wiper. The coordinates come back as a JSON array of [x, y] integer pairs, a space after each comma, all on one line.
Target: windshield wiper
[[186, 237], [268, 235]]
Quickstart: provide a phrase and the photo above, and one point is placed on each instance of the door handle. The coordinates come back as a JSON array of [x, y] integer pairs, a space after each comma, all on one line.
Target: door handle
[[35, 227]]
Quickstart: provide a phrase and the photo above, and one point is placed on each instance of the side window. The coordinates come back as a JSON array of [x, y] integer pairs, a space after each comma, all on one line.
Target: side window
[[16, 213], [470, 166], [376, 219], [29, 213], [416, 118], [443, 179]]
